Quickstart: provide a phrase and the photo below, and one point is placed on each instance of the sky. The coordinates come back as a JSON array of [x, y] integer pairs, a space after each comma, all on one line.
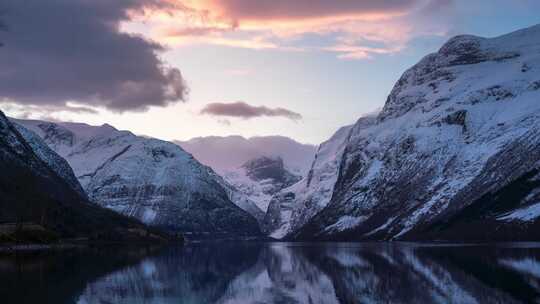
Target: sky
[[176, 69]]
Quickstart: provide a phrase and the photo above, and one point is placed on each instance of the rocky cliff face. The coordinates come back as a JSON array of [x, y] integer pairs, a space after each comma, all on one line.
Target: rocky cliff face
[[267, 168], [149, 179], [454, 153]]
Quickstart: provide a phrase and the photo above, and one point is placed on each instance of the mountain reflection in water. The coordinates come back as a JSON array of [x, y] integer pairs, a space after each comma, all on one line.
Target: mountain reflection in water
[[279, 273]]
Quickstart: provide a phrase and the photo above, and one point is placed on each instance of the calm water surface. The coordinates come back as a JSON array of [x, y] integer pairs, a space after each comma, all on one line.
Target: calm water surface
[[277, 273]]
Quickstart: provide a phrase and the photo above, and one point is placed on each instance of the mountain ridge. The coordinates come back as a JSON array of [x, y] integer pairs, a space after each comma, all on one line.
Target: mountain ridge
[[38, 191], [460, 124], [152, 180]]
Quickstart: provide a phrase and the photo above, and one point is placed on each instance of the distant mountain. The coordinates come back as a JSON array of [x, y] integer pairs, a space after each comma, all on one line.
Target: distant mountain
[[254, 167], [231, 152], [260, 178], [152, 180], [454, 154], [38, 190]]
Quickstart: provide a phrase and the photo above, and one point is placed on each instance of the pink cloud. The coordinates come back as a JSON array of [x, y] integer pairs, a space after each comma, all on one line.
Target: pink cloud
[[277, 24], [300, 9]]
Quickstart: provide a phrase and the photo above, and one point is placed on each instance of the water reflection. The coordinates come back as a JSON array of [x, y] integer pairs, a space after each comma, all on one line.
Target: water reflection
[[190, 274], [283, 273]]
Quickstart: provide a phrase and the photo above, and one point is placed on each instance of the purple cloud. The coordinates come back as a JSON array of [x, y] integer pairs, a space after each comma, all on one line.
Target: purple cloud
[[243, 110], [73, 50]]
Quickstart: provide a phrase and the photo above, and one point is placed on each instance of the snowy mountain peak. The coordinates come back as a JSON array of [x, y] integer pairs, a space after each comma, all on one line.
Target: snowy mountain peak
[[462, 45], [150, 179], [108, 126], [442, 68], [457, 131]]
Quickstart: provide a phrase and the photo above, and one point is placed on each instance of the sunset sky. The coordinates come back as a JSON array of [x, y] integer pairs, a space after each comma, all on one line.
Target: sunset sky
[[177, 69]]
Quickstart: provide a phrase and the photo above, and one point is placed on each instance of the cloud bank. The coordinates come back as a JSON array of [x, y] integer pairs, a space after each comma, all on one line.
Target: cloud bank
[[73, 50], [353, 29], [243, 110], [286, 9]]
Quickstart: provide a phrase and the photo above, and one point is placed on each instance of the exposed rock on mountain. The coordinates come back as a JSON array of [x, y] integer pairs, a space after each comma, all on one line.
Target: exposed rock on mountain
[[267, 168], [454, 154], [149, 179]]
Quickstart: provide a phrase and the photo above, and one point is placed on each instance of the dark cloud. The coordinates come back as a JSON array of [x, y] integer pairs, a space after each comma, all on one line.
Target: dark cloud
[[72, 50], [246, 111]]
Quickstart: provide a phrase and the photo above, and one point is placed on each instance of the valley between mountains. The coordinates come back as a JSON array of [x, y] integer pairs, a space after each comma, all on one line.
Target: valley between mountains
[[454, 155]]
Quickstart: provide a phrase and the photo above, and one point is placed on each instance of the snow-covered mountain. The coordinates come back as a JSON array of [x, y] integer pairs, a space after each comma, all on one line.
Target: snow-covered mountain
[[149, 179], [38, 186], [59, 165], [255, 168], [260, 178], [231, 152], [291, 208], [454, 154]]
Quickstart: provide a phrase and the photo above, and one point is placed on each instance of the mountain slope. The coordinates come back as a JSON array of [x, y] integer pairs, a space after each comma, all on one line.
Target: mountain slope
[[458, 129], [233, 158], [44, 193], [59, 165], [260, 178], [149, 179], [290, 208]]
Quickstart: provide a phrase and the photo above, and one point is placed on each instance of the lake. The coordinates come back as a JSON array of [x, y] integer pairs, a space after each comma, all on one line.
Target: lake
[[229, 272]]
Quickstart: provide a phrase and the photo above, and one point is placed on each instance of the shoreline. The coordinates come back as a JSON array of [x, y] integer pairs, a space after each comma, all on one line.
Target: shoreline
[[37, 247], [23, 248]]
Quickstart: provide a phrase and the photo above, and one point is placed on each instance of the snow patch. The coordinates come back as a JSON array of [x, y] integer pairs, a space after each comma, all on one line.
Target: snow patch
[[346, 222], [525, 214]]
